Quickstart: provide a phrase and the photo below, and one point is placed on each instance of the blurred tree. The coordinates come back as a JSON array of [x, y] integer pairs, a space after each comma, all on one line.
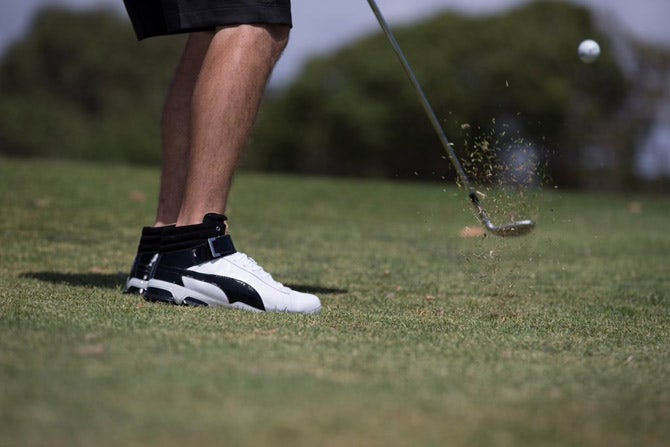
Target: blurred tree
[[80, 85]]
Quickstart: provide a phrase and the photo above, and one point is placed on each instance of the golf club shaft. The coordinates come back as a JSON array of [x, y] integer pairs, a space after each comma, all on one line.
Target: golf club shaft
[[426, 105]]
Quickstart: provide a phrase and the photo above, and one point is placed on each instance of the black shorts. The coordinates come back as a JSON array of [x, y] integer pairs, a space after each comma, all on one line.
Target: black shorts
[[162, 17]]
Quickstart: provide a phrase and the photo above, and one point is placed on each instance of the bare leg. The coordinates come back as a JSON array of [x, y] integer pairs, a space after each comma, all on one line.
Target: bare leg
[[225, 102], [209, 113], [175, 128]]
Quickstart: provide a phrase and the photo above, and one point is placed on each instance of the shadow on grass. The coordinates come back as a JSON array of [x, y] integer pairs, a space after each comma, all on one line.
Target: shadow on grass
[[117, 281], [105, 280], [317, 290]]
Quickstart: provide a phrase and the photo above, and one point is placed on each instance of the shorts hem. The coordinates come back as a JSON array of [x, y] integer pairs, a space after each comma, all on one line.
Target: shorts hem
[[152, 22]]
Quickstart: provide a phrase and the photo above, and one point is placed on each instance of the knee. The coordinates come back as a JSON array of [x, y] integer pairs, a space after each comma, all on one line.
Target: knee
[[264, 37], [267, 39]]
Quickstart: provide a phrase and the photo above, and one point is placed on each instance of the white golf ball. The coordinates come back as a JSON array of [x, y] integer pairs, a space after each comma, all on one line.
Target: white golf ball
[[588, 50]]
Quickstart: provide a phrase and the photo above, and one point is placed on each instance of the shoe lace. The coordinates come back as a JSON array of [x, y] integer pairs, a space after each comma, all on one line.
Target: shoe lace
[[248, 263]]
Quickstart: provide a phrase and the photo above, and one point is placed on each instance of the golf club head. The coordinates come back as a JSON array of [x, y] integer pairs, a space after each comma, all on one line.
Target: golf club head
[[513, 229], [518, 228]]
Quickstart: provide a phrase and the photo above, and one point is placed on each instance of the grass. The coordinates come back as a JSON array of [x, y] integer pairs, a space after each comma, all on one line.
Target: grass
[[561, 338]]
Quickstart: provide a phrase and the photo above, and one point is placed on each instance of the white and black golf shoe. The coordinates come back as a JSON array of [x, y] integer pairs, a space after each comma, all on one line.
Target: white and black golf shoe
[[198, 266]]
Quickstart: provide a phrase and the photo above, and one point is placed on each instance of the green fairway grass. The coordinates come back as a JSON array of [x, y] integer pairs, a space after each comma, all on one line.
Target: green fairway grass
[[426, 338]]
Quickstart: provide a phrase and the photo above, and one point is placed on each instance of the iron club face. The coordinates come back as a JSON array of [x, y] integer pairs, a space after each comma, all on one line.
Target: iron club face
[[518, 228], [513, 229]]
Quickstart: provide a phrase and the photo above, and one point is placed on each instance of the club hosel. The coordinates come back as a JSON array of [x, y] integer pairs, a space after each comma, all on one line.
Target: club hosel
[[475, 199], [481, 214]]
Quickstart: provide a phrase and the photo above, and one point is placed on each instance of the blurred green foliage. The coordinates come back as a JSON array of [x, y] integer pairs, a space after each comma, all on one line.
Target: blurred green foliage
[[80, 86]]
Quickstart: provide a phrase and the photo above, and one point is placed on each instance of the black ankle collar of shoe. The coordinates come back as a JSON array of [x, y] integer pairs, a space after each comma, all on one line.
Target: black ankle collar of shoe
[[190, 236], [195, 244], [150, 241]]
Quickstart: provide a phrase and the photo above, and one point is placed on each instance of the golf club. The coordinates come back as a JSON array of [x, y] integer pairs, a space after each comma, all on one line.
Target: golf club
[[516, 228]]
